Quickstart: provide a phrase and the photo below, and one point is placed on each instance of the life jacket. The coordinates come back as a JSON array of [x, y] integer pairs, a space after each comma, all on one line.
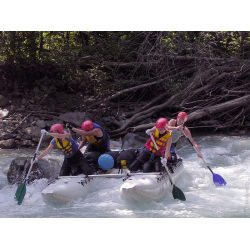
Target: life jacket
[[99, 141], [92, 159], [175, 135], [126, 157], [160, 140], [66, 147]]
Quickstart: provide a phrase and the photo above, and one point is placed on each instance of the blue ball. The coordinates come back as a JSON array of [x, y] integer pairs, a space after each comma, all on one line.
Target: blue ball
[[106, 161]]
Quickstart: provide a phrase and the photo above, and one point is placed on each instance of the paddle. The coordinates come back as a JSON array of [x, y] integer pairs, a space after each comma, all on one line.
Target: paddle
[[217, 179], [176, 192], [21, 190]]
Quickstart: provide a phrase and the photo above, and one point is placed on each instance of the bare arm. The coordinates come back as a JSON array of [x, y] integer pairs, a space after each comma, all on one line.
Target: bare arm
[[188, 133], [179, 128], [56, 135], [172, 125], [153, 129], [95, 132], [45, 152], [83, 142], [168, 146]]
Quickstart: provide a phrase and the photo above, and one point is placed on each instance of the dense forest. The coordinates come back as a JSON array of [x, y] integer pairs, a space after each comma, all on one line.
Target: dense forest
[[151, 74]]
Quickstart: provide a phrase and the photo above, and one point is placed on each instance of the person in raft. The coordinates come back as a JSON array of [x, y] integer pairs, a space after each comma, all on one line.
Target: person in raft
[[74, 163], [150, 160], [176, 127], [98, 139]]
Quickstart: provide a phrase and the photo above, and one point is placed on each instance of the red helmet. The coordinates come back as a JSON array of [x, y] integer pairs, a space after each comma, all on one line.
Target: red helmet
[[161, 123], [87, 125], [57, 127], [183, 115]]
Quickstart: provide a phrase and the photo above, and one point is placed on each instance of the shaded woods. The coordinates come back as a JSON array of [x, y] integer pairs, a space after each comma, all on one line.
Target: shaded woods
[[134, 76]]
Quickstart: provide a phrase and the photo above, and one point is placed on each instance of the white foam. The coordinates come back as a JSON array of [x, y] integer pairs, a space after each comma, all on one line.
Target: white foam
[[226, 156]]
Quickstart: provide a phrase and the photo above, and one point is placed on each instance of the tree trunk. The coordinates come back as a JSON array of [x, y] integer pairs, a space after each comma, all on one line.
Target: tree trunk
[[208, 93], [219, 108]]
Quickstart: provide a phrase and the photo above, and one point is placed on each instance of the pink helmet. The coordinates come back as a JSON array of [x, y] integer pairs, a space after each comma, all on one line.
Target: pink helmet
[[87, 125], [161, 123], [183, 115], [57, 127]]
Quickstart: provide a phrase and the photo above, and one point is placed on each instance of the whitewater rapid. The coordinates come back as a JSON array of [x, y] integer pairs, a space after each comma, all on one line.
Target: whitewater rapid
[[228, 156]]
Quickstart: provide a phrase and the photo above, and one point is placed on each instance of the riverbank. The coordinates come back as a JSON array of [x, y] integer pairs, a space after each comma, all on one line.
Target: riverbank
[[23, 115]]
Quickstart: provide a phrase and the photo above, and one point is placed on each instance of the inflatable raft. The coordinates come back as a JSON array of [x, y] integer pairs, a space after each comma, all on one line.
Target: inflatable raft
[[147, 188], [142, 187], [64, 190], [69, 188]]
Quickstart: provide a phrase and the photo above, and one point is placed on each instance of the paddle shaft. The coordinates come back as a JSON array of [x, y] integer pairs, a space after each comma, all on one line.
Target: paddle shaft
[[21, 190], [69, 131], [196, 150], [34, 157], [161, 157]]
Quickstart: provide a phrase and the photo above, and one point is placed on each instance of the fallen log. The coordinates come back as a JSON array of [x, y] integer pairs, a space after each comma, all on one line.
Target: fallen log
[[125, 91], [141, 127], [218, 108]]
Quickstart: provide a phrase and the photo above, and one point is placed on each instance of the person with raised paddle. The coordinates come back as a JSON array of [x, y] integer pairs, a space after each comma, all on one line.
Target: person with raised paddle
[[180, 130], [93, 134], [176, 127], [74, 162], [150, 160]]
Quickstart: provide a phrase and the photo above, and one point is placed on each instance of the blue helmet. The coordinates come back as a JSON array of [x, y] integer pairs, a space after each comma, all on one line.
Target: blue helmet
[[106, 161]]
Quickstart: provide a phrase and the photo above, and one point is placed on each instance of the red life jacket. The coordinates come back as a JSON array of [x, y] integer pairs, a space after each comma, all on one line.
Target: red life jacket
[[160, 140]]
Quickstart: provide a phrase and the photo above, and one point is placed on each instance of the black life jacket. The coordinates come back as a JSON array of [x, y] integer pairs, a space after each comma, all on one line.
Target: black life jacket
[[126, 157]]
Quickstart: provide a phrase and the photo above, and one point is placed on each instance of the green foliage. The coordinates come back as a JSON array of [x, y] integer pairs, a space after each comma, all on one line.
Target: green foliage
[[73, 60]]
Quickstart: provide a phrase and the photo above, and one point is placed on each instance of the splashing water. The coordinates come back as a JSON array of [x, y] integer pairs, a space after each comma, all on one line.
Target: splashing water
[[228, 156]]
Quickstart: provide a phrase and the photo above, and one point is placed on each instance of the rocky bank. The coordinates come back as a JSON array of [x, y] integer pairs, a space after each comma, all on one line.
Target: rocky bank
[[22, 116]]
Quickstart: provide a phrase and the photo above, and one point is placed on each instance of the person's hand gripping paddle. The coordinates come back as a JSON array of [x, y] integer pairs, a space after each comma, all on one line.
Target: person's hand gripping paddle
[[176, 192], [21, 190], [218, 180]]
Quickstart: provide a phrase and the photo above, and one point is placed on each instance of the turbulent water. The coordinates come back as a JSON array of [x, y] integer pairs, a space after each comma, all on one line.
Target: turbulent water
[[228, 156]]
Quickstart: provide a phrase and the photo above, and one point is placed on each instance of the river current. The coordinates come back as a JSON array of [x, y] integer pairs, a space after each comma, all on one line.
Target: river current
[[228, 156]]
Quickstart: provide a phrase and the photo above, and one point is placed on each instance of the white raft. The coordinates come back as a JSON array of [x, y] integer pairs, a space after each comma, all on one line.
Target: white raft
[[147, 188], [70, 188]]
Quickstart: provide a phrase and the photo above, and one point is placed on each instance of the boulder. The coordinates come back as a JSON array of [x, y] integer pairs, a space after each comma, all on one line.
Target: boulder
[[51, 122], [33, 131], [41, 123], [134, 140], [19, 168], [3, 100], [76, 118], [3, 113], [26, 143], [7, 144]]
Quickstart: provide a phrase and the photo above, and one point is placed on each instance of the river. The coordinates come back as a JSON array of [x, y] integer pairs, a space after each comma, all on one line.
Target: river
[[228, 156]]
